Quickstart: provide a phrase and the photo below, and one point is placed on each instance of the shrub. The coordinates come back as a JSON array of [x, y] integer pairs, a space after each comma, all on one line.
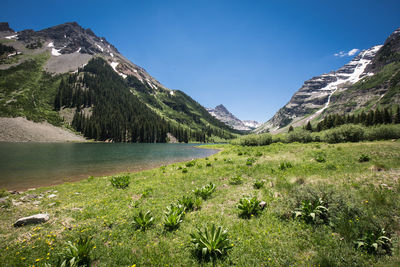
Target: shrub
[[345, 133], [249, 206], [211, 242], [173, 216], [77, 254], [143, 221], [208, 164], [184, 170], [205, 191], [299, 135], [258, 184], [253, 140], [240, 153], [383, 132], [190, 203], [364, 158], [190, 163], [375, 243], [236, 180], [313, 212], [259, 154], [120, 182]]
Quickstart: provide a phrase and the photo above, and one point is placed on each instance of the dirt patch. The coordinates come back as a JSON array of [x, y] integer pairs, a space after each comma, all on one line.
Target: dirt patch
[[21, 130]]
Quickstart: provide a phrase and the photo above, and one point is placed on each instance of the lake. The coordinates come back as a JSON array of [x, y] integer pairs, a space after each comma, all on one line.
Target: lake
[[29, 165]]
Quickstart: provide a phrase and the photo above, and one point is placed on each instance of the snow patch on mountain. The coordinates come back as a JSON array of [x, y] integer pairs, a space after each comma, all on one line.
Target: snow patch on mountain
[[315, 95], [114, 66]]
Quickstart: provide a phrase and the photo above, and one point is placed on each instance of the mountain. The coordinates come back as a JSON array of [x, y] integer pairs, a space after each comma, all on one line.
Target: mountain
[[66, 75], [369, 80], [222, 113]]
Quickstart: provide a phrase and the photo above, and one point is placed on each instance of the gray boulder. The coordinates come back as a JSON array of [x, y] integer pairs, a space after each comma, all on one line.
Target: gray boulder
[[37, 218]]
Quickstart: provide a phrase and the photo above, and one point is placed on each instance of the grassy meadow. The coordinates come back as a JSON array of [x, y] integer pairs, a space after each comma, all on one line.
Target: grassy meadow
[[326, 205]]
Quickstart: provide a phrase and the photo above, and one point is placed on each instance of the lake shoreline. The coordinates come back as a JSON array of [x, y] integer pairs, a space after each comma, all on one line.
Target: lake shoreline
[[29, 185]]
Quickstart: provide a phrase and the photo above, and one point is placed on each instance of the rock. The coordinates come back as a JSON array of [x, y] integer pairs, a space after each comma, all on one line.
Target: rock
[[262, 204], [37, 218], [52, 204], [28, 197], [52, 196], [36, 202], [4, 201], [16, 203]]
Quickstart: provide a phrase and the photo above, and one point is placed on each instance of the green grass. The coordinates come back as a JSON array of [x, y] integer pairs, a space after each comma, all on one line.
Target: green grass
[[28, 91], [360, 198]]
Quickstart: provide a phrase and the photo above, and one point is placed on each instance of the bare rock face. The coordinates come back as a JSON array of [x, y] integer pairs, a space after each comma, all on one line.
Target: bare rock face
[[34, 219], [315, 94], [318, 94], [221, 113], [4, 27]]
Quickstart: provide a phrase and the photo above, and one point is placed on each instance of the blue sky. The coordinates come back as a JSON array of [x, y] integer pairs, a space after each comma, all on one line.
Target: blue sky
[[250, 56]]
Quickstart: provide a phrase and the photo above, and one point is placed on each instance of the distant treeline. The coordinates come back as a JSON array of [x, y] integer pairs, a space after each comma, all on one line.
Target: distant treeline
[[106, 109], [373, 117]]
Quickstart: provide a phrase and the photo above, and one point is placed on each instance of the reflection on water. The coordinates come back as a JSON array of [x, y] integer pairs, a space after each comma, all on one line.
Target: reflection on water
[[26, 165]]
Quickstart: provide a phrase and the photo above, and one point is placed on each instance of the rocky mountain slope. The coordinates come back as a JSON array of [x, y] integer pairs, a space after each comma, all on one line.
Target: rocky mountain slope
[[221, 113], [59, 75], [360, 84]]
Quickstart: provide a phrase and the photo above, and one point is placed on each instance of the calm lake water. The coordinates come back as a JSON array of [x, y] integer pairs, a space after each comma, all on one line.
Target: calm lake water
[[27, 165]]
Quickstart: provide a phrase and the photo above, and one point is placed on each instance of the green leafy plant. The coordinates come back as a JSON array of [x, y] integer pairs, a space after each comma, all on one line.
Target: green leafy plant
[[249, 206], [285, 165], [236, 180], [205, 191], [375, 243], [320, 156], [258, 184], [184, 170], [143, 221], [208, 164], [364, 158], [250, 161], [190, 203], [147, 192], [190, 163], [313, 212], [77, 254], [173, 216], [240, 153], [120, 182], [211, 242], [259, 154]]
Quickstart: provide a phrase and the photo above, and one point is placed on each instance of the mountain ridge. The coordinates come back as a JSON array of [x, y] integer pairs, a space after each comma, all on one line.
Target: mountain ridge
[[318, 94], [65, 58]]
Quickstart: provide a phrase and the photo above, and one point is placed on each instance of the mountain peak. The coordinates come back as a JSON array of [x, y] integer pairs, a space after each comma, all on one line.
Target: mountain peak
[[4, 27], [222, 108], [222, 113]]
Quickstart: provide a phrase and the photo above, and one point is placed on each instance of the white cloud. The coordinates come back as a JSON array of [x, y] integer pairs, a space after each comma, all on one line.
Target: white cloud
[[352, 52]]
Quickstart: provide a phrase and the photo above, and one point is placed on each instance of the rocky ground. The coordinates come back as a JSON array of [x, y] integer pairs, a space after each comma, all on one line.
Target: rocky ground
[[21, 130]]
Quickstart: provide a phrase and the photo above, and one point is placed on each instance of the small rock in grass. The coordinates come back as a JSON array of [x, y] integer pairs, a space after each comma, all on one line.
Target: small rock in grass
[[16, 203], [37, 218], [51, 196], [52, 204], [36, 202], [262, 204]]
